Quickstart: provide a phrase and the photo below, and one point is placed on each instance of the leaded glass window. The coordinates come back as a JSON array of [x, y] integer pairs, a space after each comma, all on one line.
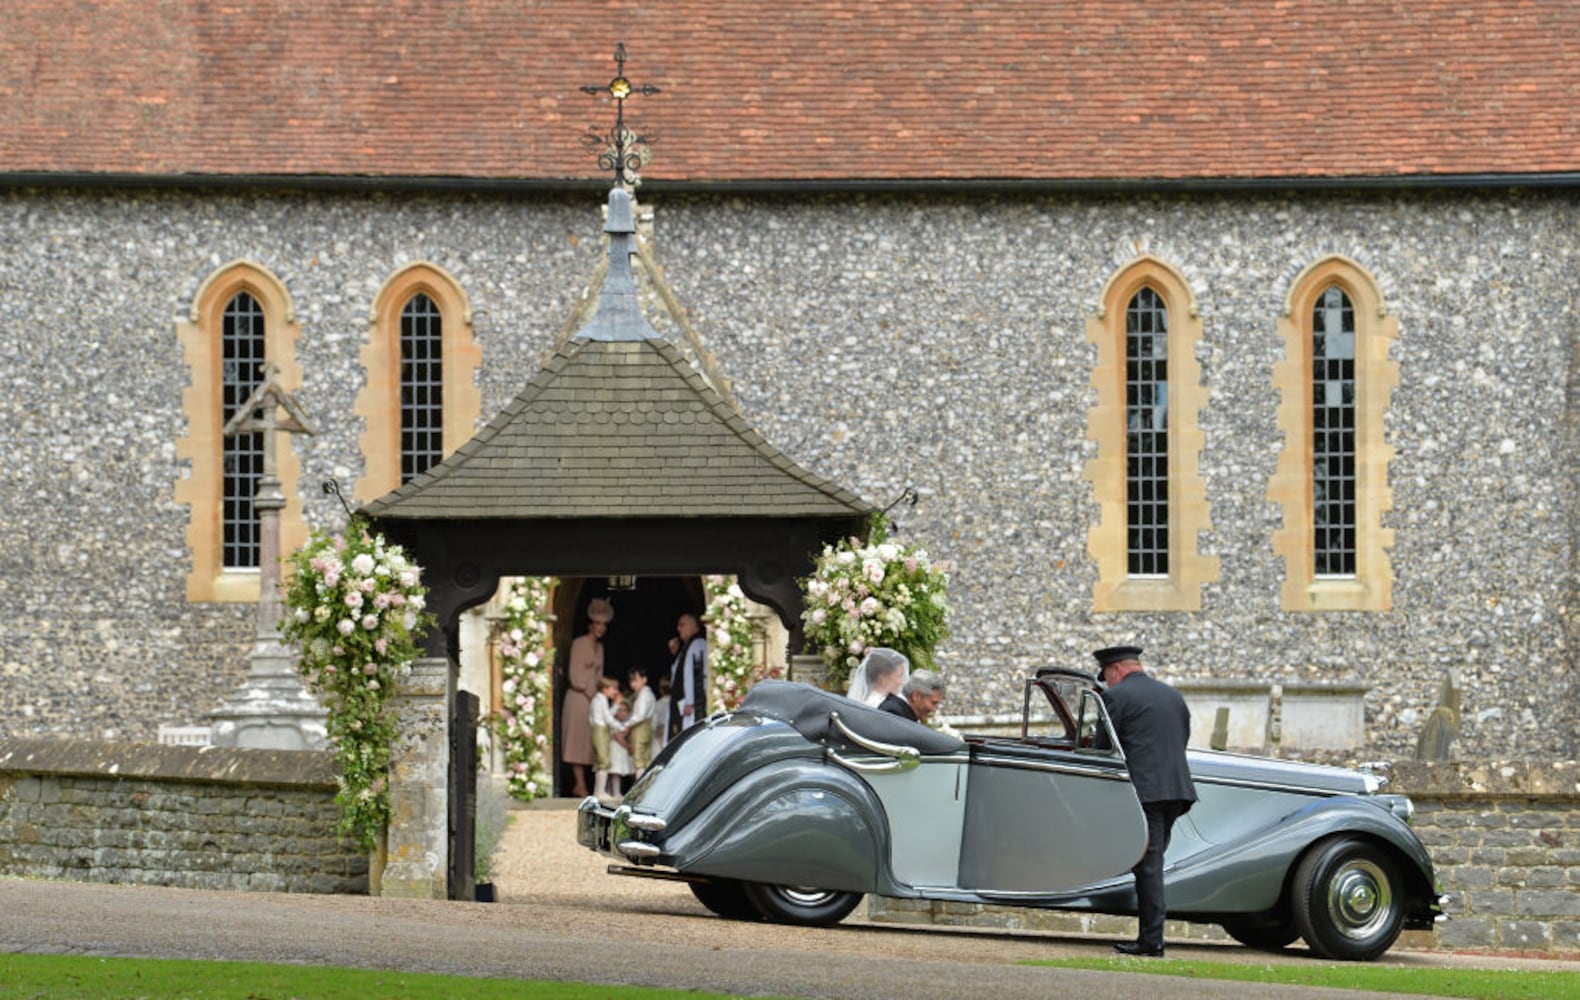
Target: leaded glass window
[[1147, 436], [421, 386], [1333, 433], [241, 372]]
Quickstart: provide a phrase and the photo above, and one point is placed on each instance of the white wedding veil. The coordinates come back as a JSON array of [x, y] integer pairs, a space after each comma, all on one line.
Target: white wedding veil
[[881, 672]]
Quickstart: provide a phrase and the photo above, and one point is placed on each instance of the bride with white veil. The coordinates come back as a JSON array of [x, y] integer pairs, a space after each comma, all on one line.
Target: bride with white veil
[[882, 672]]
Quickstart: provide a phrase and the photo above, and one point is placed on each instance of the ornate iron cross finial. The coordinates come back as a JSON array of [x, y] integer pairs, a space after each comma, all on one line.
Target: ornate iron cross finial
[[620, 149]]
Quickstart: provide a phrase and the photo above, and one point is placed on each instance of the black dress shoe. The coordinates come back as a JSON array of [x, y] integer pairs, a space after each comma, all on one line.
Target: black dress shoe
[[1138, 949]]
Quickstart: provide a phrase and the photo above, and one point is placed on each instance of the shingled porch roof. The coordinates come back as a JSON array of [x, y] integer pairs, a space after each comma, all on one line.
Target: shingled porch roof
[[617, 429]]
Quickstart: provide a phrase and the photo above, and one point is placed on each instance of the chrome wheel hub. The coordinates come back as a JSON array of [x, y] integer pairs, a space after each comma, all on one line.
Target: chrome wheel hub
[[1359, 899], [805, 897]]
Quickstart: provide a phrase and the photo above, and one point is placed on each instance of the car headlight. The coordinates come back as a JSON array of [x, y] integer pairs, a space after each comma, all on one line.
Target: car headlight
[[1399, 805]]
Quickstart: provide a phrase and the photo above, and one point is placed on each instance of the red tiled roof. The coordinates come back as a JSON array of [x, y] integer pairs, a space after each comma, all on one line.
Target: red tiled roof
[[798, 90]]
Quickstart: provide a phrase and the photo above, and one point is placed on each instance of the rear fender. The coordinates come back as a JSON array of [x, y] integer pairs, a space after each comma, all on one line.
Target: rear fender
[[794, 822]]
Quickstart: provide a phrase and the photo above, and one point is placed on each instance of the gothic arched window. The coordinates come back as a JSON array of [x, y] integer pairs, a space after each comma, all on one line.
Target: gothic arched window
[[240, 320], [241, 372], [421, 386], [1147, 434], [1335, 382], [419, 403], [1152, 504]]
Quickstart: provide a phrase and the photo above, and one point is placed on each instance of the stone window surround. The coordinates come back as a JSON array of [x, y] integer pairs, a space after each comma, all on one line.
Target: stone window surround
[[1371, 589], [203, 446], [1107, 540], [378, 403]]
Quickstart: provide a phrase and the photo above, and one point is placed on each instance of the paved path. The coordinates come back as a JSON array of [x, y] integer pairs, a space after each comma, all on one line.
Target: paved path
[[558, 909]]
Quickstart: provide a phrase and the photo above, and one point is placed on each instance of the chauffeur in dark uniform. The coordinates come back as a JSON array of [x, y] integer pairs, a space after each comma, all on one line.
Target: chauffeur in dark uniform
[[1153, 725]]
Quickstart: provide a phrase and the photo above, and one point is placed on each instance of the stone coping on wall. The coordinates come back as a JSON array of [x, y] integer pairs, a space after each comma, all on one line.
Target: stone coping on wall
[[1237, 685], [229, 765], [1452, 780]]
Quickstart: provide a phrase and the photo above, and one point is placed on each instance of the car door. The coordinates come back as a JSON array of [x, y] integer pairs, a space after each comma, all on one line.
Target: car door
[[925, 807], [1051, 812]]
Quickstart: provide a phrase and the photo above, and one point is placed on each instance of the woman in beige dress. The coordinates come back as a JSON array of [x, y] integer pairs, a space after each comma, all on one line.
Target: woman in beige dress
[[586, 667]]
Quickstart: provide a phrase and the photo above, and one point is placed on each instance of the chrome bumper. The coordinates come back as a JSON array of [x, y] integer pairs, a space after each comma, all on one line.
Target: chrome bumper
[[615, 831]]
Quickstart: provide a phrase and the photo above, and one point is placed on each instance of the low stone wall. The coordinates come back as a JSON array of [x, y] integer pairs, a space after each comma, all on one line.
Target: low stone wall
[[197, 817], [1504, 838]]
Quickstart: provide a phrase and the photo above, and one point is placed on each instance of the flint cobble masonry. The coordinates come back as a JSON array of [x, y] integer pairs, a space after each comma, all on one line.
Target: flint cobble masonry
[[879, 341], [201, 818]]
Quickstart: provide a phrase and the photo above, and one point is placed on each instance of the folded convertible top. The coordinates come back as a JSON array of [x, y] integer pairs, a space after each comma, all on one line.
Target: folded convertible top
[[807, 709]]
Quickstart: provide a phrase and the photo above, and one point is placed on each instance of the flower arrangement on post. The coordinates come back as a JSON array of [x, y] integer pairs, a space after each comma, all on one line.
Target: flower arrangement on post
[[525, 659], [354, 605], [880, 593], [730, 644]]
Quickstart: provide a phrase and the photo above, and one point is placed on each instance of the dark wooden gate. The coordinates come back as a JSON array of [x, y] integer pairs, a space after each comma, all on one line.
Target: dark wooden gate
[[463, 796]]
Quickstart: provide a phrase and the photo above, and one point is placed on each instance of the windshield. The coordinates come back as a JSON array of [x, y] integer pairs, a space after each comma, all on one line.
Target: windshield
[[1064, 709]]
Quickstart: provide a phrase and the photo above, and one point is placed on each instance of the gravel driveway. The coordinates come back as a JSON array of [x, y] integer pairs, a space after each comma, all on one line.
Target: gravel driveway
[[561, 916]]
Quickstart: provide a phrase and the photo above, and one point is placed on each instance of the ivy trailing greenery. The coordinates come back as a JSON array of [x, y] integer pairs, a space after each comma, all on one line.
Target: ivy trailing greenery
[[354, 608]]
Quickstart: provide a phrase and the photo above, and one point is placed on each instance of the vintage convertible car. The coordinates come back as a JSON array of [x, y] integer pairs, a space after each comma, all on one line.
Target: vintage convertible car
[[793, 806]]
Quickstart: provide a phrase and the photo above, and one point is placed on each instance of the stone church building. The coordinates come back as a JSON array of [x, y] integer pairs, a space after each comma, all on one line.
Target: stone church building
[[1247, 334]]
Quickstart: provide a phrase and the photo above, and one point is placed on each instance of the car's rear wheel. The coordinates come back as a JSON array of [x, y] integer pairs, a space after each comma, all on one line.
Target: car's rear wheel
[[789, 904], [727, 898], [1275, 935], [1346, 900]]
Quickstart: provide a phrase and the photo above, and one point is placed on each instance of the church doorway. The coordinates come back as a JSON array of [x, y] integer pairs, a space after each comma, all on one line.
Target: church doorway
[[645, 610]]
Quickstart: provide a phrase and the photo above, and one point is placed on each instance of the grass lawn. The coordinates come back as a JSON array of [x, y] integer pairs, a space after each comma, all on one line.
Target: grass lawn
[[67, 977], [1479, 984]]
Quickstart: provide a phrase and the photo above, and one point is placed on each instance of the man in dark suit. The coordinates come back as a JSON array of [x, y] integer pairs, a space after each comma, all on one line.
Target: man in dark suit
[[918, 699], [1153, 725]]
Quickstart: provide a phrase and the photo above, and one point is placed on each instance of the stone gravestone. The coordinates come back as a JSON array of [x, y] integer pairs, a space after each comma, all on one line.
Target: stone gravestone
[[1442, 725], [1273, 744], [1220, 729]]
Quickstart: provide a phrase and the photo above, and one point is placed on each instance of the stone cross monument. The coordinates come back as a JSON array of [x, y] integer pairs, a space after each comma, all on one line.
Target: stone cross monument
[[272, 710]]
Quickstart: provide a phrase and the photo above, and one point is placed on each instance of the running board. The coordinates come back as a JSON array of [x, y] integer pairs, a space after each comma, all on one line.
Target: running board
[[663, 876]]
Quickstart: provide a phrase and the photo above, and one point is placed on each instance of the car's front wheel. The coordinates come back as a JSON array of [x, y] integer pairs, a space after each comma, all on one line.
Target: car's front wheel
[[727, 898], [1266, 936], [788, 904], [1346, 903]]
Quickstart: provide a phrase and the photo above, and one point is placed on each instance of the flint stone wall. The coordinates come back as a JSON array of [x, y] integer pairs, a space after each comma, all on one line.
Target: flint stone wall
[[879, 341], [1504, 837], [194, 817]]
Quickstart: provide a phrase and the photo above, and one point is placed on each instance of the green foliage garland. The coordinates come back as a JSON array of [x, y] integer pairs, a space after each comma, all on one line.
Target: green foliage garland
[[525, 662], [730, 644], [354, 606]]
